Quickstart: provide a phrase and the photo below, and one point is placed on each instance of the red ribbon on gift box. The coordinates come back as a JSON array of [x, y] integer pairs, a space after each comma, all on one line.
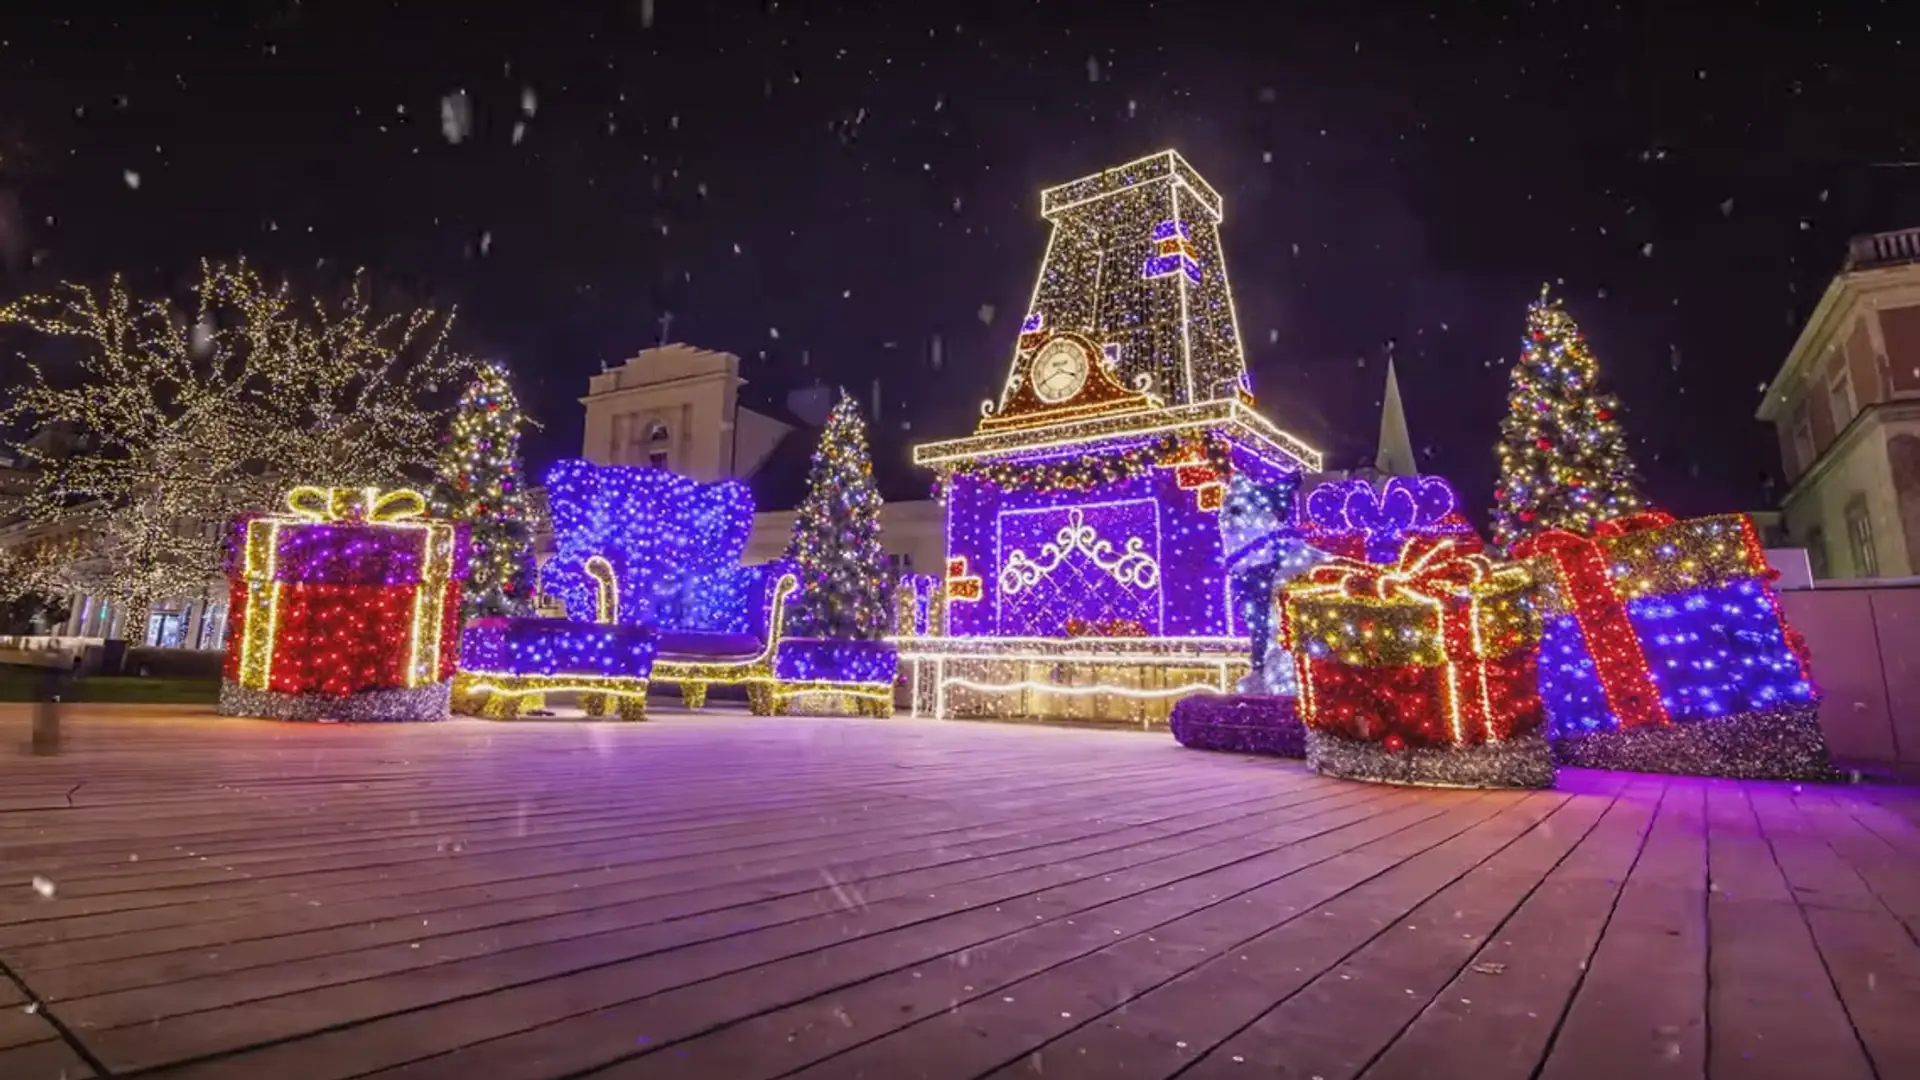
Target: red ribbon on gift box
[[1618, 658]]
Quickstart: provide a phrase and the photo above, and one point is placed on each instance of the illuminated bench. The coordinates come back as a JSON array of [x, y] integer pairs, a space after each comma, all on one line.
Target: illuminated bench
[[849, 676], [507, 666], [738, 647]]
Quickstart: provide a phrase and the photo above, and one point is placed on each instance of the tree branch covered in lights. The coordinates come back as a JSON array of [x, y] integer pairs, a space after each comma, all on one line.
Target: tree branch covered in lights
[[1563, 456], [169, 420]]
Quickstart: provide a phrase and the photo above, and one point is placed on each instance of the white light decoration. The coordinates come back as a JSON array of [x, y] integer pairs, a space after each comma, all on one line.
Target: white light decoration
[[1131, 566]]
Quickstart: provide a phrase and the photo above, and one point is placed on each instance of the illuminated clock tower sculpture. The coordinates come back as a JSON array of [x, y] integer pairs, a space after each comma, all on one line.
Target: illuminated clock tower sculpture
[[1086, 570]]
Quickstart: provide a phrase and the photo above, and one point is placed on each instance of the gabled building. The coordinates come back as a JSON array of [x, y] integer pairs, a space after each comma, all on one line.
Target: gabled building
[[1846, 408]]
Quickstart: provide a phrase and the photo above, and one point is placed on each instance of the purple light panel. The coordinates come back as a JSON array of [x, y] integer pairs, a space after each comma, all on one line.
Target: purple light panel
[[674, 545], [556, 647]]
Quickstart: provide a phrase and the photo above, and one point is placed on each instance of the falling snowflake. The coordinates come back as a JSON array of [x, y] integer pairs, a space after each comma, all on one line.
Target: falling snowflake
[[519, 131], [486, 241], [43, 887], [1726, 208], [1093, 70], [985, 314], [456, 117], [529, 103], [132, 178], [1647, 249]]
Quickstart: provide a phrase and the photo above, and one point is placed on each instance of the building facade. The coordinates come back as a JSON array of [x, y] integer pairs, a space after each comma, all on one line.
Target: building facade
[[682, 408], [1846, 408]]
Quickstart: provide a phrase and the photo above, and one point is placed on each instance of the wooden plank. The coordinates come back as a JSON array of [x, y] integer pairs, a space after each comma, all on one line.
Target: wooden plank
[[1496, 1018], [986, 908], [801, 923], [579, 911], [142, 913], [923, 970], [1472, 983], [1203, 976], [1771, 1004], [76, 937], [50, 1059], [1873, 962]]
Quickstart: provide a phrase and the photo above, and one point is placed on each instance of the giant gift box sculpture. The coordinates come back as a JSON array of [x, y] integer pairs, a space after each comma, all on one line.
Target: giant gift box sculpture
[[1421, 671], [1665, 651], [344, 608]]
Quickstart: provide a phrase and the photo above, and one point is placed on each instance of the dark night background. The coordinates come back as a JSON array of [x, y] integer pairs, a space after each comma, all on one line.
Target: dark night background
[[825, 188]]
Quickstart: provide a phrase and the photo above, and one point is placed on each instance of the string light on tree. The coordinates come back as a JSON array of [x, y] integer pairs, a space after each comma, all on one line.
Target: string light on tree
[[1563, 456], [183, 416], [481, 483], [836, 537]]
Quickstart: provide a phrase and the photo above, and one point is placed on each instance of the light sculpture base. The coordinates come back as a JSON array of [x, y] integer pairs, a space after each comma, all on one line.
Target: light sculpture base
[[393, 705], [1130, 681], [1520, 762]]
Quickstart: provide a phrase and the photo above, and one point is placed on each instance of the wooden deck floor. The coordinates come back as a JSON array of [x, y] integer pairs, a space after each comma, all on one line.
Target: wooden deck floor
[[724, 898]]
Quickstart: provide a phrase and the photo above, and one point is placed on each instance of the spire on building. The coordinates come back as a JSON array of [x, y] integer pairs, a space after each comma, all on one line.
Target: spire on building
[[1395, 456]]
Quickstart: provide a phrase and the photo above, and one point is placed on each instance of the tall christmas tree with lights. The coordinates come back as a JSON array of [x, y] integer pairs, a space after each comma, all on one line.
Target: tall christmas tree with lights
[[481, 482], [836, 537], [1563, 457]]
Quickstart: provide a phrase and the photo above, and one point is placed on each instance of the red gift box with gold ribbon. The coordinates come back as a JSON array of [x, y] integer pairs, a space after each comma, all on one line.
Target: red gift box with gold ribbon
[[352, 590], [1438, 648]]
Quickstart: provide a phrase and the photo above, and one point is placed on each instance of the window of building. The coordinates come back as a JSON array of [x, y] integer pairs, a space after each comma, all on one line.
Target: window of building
[[1840, 396], [659, 445], [1817, 554], [1866, 561], [1802, 438]]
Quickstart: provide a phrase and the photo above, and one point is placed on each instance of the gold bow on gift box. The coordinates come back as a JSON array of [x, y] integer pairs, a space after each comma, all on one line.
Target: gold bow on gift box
[[370, 504]]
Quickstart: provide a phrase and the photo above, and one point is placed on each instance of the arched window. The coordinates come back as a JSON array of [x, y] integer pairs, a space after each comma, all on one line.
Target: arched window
[[659, 441]]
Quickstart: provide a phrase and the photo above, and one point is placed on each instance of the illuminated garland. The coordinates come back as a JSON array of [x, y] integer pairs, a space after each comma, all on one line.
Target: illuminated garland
[[1085, 472]]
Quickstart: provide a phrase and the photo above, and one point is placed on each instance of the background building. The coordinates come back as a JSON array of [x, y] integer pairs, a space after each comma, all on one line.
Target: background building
[[688, 409], [1846, 406]]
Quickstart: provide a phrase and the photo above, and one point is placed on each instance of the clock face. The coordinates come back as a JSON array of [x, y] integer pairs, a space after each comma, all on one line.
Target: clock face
[[1059, 371]]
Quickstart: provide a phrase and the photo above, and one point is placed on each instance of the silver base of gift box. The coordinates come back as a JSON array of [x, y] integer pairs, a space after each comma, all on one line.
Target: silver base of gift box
[[1779, 744], [430, 702], [1524, 762]]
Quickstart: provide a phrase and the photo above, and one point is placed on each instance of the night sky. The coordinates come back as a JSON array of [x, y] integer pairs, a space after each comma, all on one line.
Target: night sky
[[828, 188]]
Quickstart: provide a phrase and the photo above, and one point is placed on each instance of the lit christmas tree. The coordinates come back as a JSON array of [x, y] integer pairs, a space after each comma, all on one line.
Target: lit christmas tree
[[480, 482], [1563, 458], [836, 537]]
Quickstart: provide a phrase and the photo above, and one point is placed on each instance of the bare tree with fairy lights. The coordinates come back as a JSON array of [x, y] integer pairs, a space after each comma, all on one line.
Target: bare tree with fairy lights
[[177, 420]]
